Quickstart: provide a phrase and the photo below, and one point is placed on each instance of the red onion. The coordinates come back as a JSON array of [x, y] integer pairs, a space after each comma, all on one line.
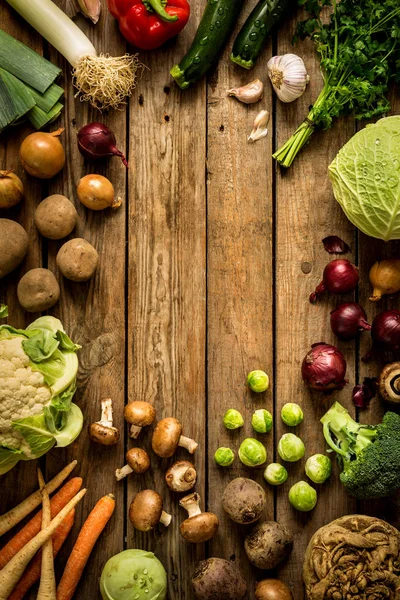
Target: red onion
[[363, 393], [335, 245], [348, 320], [340, 277], [385, 330], [96, 140], [324, 368]]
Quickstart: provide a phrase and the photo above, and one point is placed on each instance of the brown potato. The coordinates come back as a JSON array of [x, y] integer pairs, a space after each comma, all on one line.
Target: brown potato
[[13, 245], [38, 290], [77, 260], [56, 217]]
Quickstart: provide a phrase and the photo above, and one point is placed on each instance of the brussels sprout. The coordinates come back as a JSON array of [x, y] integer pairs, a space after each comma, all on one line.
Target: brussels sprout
[[261, 421], [292, 414], [133, 574], [224, 457], [302, 496], [275, 474], [258, 381], [252, 453], [290, 447], [233, 419], [318, 468]]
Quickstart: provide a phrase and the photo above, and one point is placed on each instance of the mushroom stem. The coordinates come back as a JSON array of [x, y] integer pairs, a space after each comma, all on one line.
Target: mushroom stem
[[165, 518], [106, 418], [190, 445], [191, 504], [134, 431], [123, 472]]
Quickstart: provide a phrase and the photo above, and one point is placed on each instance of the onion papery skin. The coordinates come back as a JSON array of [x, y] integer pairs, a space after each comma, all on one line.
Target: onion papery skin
[[340, 276], [96, 140], [385, 330], [348, 320], [42, 154], [324, 368]]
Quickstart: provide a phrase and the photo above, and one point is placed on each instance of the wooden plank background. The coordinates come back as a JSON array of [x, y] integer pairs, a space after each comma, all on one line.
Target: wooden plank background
[[204, 275]]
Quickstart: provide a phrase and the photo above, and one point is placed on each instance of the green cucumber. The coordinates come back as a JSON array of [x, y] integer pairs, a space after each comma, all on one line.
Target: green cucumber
[[251, 39], [212, 34]]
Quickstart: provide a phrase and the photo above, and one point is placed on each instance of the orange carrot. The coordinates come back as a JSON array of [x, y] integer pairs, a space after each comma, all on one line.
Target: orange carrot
[[32, 572], [32, 528], [88, 536]]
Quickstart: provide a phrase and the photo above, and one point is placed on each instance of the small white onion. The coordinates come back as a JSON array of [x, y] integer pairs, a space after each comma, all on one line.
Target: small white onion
[[288, 76]]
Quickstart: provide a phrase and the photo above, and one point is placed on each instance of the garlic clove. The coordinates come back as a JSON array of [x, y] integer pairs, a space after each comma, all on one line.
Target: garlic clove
[[250, 93], [288, 76], [90, 8], [260, 129]]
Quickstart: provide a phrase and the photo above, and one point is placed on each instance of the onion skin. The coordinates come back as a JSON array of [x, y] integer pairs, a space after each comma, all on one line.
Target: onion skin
[[324, 368], [348, 320], [96, 140], [335, 245], [97, 192], [363, 393], [340, 276], [272, 589], [384, 276], [11, 189], [42, 154]]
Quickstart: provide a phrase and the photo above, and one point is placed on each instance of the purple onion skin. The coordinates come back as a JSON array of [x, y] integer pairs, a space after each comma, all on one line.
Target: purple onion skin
[[96, 140], [348, 320], [335, 245], [324, 368], [385, 330], [363, 393], [340, 276]]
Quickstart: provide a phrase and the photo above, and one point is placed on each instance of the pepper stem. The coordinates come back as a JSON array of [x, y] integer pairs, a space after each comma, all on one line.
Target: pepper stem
[[158, 7]]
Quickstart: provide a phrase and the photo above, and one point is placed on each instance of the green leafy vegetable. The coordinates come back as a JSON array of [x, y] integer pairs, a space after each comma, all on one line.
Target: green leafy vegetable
[[360, 52], [3, 311], [366, 179]]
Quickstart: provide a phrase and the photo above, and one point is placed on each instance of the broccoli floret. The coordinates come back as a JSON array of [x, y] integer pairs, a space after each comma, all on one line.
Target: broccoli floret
[[369, 454]]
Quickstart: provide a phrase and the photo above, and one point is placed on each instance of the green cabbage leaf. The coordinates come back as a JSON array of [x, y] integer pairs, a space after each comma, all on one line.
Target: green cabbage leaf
[[365, 176]]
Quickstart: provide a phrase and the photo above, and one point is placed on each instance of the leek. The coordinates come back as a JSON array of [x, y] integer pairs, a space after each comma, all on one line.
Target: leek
[[103, 80], [24, 63], [16, 102], [47, 100], [39, 118], [7, 110]]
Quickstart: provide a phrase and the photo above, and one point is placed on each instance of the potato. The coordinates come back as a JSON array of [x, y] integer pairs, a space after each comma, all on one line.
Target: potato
[[55, 217], [77, 260], [38, 290], [268, 544], [13, 246]]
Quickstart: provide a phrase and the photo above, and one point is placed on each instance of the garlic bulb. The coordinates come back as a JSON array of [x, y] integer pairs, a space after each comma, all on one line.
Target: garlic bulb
[[260, 129], [288, 76], [250, 93]]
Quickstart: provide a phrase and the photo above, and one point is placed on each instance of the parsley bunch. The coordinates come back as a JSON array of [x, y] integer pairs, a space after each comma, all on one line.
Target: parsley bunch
[[360, 54]]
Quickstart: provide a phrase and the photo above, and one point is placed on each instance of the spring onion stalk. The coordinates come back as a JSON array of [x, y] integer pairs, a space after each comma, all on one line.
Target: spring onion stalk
[[39, 118], [15, 99], [104, 81], [47, 100]]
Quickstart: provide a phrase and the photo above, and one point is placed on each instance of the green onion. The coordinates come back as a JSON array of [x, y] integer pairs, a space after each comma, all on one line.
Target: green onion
[[7, 110], [39, 118], [47, 100], [16, 100], [26, 64]]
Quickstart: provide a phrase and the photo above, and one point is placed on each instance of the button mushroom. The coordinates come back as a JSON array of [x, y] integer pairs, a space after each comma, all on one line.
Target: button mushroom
[[389, 383], [198, 527], [181, 477], [138, 461], [167, 437], [146, 510], [244, 500], [103, 432], [139, 414]]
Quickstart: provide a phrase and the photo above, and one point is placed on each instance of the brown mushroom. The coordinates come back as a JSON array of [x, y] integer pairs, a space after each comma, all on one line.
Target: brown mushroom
[[167, 437], [389, 383], [138, 461], [103, 432], [139, 414], [199, 526], [181, 476], [146, 510]]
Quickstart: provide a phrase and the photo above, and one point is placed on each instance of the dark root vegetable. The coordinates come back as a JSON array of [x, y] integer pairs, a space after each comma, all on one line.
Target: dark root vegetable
[[340, 276], [268, 544], [363, 393], [348, 320], [96, 140], [353, 557], [272, 589], [216, 578], [385, 278], [335, 245], [324, 368]]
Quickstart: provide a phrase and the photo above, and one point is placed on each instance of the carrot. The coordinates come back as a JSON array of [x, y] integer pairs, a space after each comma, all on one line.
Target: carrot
[[11, 518], [88, 536], [47, 587], [12, 572], [32, 572], [23, 536]]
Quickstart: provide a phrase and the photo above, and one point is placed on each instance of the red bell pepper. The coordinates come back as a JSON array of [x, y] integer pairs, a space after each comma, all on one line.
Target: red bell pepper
[[148, 24]]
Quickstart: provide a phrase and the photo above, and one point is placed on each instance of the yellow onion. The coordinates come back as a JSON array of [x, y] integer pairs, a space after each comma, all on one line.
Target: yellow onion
[[97, 193], [11, 189], [385, 278], [42, 154]]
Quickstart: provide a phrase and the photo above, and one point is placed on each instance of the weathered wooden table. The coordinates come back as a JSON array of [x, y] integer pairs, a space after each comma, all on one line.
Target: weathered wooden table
[[204, 275]]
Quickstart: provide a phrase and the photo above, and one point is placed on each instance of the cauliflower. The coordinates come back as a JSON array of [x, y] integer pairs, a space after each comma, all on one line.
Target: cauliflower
[[38, 368]]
